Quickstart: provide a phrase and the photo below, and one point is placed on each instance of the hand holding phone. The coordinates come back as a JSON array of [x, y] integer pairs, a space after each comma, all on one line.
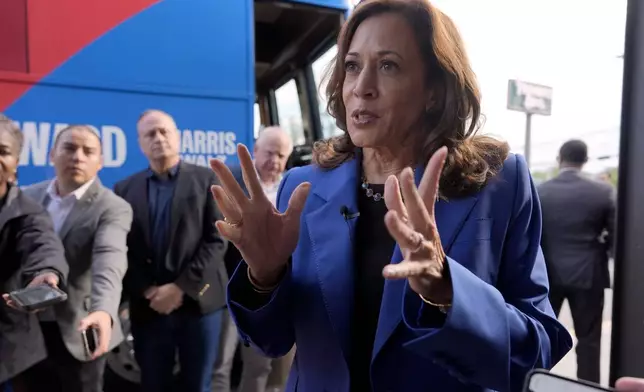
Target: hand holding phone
[[34, 298], [49, 278], [97, 332], [90, 341], [540, 380]]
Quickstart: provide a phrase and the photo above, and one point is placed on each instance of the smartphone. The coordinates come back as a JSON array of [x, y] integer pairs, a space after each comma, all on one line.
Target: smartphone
[[540, 380], [37, 297], [90, 340]]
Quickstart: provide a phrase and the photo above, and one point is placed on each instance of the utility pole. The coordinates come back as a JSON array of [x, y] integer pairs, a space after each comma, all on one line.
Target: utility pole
[[627, 341], [528, 138], [529, 98]]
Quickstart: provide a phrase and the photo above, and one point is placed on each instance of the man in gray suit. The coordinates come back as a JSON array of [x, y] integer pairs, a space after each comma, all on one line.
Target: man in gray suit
[[93, 224], [578, 217]]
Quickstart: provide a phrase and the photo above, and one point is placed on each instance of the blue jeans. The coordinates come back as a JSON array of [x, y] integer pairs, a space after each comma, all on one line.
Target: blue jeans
[[194, 337]]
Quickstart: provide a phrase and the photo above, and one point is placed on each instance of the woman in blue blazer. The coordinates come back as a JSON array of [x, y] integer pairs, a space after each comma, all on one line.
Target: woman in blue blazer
[[442, 285]]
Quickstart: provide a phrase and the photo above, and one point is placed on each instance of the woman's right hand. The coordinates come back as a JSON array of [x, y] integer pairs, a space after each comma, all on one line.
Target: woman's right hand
[[265, 237]]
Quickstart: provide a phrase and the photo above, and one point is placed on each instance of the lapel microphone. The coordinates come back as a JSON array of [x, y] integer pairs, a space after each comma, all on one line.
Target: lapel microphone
[[347, 214]]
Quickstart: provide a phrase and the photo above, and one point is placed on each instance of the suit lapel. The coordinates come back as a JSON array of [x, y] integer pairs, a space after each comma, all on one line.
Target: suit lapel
[[450, 217], [79, 209], [141, 205], [10, 211], [43, 197], [181, 192], [332, 243]]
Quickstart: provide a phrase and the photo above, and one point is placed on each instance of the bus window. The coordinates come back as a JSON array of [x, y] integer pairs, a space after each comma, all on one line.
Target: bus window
[[289, 111], [257, 120], [320, 67]]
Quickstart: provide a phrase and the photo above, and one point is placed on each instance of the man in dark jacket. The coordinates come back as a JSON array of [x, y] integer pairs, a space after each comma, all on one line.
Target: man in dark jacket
[[30, 254], [176, 278], [578, 216]]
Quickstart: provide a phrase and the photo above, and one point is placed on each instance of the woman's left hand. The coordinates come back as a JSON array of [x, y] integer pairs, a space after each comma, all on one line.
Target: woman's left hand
[[412, 224]]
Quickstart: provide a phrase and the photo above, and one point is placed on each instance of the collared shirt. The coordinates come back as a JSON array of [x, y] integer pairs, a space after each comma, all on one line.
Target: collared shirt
[[60, 207], [271, 189], [160, 194], [570, 169]]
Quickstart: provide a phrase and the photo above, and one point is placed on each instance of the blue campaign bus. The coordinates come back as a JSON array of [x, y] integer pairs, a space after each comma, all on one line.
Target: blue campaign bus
[[222, 68]]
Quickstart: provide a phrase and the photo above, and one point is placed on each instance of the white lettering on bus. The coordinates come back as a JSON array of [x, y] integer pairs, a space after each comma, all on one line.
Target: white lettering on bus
[[199, 147], [202, 160], [39, 140]]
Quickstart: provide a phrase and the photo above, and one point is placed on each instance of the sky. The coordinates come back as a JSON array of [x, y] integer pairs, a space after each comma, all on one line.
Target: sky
[[569, 45], [572, 46]]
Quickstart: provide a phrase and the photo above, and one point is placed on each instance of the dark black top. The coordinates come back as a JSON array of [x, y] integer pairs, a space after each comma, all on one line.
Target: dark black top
[[373, 248], [160, 193]]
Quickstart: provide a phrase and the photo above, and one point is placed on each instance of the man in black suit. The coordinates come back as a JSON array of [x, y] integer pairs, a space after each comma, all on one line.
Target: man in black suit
[[176, 278], [578, 217]]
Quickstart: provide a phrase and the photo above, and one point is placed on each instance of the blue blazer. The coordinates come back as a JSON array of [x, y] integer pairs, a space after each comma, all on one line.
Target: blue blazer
[[500, 325]]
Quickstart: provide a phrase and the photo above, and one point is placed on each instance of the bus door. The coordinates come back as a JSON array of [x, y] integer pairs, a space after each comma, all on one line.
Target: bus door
[[293, 40]]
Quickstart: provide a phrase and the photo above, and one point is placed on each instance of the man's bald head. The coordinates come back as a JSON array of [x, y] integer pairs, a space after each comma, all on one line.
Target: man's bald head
[[274, 134], [272, 150], [156, 112], [158, 138]]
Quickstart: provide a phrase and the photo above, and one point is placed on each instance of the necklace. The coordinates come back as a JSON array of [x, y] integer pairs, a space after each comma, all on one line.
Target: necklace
[[376, 196]]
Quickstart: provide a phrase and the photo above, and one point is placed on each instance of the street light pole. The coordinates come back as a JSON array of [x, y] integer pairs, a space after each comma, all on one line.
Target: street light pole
[[528, 138], [529, 98]]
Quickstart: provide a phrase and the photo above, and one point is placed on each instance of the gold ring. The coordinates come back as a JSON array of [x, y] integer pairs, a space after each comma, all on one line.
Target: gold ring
[[418, 239], [233, 224]]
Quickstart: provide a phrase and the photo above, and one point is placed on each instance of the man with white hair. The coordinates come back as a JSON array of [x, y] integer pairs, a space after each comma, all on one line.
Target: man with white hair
[[272, 150]]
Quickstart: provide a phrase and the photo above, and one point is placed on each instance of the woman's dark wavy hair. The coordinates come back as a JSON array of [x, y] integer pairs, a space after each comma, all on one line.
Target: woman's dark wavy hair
[[452, 121]]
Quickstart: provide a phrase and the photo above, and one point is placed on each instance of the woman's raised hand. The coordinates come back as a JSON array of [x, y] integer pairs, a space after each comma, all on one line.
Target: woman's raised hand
[[265, 237], [413, 225]]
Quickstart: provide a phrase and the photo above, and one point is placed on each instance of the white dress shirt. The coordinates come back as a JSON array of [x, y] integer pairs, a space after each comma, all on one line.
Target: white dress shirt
[[60, 207], [271, 190]]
